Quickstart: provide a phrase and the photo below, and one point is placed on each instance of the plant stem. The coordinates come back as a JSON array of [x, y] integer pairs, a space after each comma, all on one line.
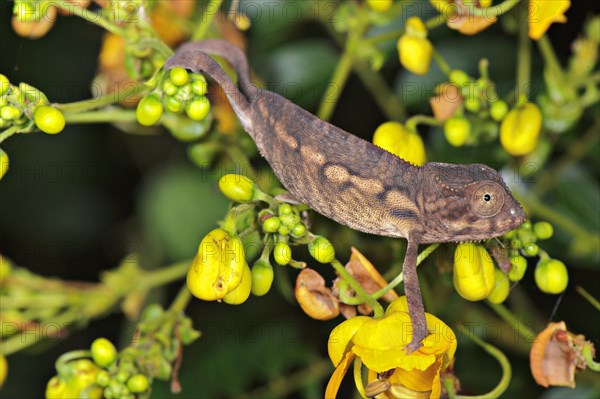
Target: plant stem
[[441, 63], [386, 99], [510, 318], [360, 291], [9, 132], [550, 56], [431, 23], [593, 301], [397, 280], [181, 300], [413, 121], [132, 89], [342, 71], [588, 355], [492, 11], [90, 16], [212, 7], [523, 57], [102, 116], [500, 357]]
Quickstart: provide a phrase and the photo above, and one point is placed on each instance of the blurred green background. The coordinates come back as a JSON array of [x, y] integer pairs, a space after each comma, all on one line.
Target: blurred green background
[[76, 203]]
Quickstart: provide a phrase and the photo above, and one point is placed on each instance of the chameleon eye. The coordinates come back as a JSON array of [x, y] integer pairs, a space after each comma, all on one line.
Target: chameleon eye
[[487, 199]]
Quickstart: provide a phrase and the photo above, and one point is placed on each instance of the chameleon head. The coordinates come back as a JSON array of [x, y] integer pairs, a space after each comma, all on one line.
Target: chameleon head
[[467, 202]]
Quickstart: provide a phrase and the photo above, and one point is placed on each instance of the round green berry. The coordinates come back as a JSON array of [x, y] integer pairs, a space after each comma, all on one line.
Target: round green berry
[[472, 104], [4, 84], [551, 276], [288, 220], [322, 250], [173, 105], [138, 383], [199, 85], [531, 249], [104, 352], [543, 230], [459, 77], [457, 130], [103, 378], [48, 119], [271, 224], [285, 209], [262, 277], [519, 267], [10, 112], [198, 108], [169, 87], [299, 230], [498, 110], [179, 76], [149, 110], [282, 253]]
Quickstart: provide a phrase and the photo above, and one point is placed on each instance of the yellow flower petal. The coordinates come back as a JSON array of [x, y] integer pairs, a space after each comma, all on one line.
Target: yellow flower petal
[[338, 375], [542, 13], [418, 380], [340, 338]]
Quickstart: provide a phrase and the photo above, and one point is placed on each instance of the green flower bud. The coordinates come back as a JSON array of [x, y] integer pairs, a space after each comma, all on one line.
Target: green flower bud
[[282, 253], [285, 209], [271, 224], [283, 230], [519, 267], [10, 112], [498, 110], [179, 76], [198, 108], [322, 250], [104, 352], [103, 378], [149, 111], [459, 77], [174, 105], [299, 230], [138, 383], [472, 104], [199, 85], [237, 188], [531, 249], [48, 119], [288, 220], [262, 277], [169, 87], [543, 230], [501, 288], [457, 130], [551, 276]]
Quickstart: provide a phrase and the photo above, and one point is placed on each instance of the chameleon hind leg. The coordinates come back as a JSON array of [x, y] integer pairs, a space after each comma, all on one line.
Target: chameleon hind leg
[[412, 290]]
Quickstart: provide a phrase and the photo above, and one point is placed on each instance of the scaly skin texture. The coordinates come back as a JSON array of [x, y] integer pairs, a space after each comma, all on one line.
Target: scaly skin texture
[[356, 183]]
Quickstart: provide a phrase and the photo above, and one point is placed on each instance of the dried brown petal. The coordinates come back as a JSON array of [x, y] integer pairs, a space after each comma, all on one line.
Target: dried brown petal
[[315, 299], [365, 273], [446, 102], [554, 356]]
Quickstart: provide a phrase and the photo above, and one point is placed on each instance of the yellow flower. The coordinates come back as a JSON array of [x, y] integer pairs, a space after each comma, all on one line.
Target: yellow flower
[[414, 50], [520, 129], [542, 13], [395, 138], [380, 345]]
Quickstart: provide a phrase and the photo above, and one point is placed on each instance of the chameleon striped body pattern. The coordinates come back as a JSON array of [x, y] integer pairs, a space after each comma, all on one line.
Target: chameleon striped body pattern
[[356, 183]]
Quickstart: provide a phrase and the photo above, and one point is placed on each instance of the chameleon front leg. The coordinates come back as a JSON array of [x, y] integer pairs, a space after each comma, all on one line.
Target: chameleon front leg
[[412, 290]]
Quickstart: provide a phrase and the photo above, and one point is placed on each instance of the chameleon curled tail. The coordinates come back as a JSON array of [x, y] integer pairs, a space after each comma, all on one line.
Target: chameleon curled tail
[[356, 183]]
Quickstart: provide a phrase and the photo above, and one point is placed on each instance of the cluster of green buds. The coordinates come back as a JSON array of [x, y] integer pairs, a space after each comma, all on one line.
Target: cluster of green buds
[[23, 104], [176, 92], [551, 275], [102, 372], [220, 270]]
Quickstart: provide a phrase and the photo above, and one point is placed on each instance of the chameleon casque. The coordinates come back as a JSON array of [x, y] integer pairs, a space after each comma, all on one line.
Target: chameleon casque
[[356, 183]]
